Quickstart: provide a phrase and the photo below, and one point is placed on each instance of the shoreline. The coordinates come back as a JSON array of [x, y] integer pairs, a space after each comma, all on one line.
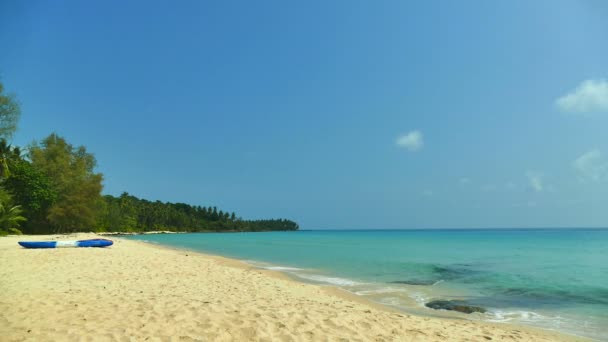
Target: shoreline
[[249, 303], [336, 290]]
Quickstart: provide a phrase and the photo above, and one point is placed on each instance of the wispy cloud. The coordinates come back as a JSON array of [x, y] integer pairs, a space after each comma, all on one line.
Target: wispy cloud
[[591, 166], [590, 96], [535, 180], [412, 141], [428, 193]]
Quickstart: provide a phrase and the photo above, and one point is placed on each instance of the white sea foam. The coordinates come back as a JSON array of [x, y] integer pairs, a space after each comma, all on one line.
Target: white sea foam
[[418, 297], [256, 263], [380, 291], [327, 280], [519, 315], [573, 325], [302, 274], [282, 268], [393, 301], [268, 266]]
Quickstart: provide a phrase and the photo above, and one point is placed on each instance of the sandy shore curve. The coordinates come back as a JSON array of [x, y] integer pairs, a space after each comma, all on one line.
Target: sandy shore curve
[[135, 291]]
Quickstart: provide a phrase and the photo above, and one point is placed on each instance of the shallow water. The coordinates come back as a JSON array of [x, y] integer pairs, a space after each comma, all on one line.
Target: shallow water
[[555, 279]]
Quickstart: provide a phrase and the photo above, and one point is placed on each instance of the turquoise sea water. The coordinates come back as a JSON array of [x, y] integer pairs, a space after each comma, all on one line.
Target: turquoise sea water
[[555, 279]]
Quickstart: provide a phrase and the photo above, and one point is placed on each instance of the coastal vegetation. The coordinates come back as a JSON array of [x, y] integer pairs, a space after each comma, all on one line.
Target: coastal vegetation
[[54, 188], [130, 214]]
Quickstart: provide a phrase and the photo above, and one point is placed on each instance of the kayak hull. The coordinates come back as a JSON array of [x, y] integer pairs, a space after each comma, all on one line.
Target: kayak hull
[[60, 244]]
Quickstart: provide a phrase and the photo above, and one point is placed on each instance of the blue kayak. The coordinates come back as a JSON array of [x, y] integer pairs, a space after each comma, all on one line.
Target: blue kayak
[[59, 244]]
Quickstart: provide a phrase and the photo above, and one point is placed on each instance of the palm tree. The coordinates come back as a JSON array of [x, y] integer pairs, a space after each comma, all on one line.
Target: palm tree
[[8, 154], [10, 217]]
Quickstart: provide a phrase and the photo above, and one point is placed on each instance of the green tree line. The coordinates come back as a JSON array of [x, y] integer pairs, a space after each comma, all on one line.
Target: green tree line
[[130, 214], [54, 188]]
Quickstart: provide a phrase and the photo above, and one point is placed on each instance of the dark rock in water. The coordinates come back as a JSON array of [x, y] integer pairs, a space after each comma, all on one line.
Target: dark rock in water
[[414, 282], [454, 305], [453, 272], [463, 273]]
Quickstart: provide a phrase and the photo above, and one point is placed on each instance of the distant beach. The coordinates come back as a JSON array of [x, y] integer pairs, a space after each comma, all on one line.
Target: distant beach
[[140, 291]]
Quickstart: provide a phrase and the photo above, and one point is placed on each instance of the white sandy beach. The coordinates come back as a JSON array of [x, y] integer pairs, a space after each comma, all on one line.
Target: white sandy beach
[[134, 291]]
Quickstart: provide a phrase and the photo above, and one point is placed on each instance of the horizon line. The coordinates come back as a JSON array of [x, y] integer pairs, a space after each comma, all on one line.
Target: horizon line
[[462, 228]]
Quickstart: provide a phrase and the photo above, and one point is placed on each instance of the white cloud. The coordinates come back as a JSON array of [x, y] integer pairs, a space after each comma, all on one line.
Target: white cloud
[[590, 96], [428, 193], [535, 180], [411, 141], [591, 166]]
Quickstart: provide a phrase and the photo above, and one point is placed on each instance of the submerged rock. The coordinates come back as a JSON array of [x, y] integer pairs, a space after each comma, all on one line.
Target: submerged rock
[[414, 282], [456, 271], [454, 305]]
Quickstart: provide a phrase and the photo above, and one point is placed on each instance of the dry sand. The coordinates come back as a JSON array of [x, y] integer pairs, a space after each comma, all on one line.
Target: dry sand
[[134, 291]]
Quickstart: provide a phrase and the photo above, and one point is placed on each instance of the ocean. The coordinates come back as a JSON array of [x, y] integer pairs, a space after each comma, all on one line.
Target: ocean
[[550, 278]]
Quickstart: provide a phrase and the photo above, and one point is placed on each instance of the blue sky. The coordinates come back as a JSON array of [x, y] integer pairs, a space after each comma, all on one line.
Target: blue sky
[[338, 114]]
